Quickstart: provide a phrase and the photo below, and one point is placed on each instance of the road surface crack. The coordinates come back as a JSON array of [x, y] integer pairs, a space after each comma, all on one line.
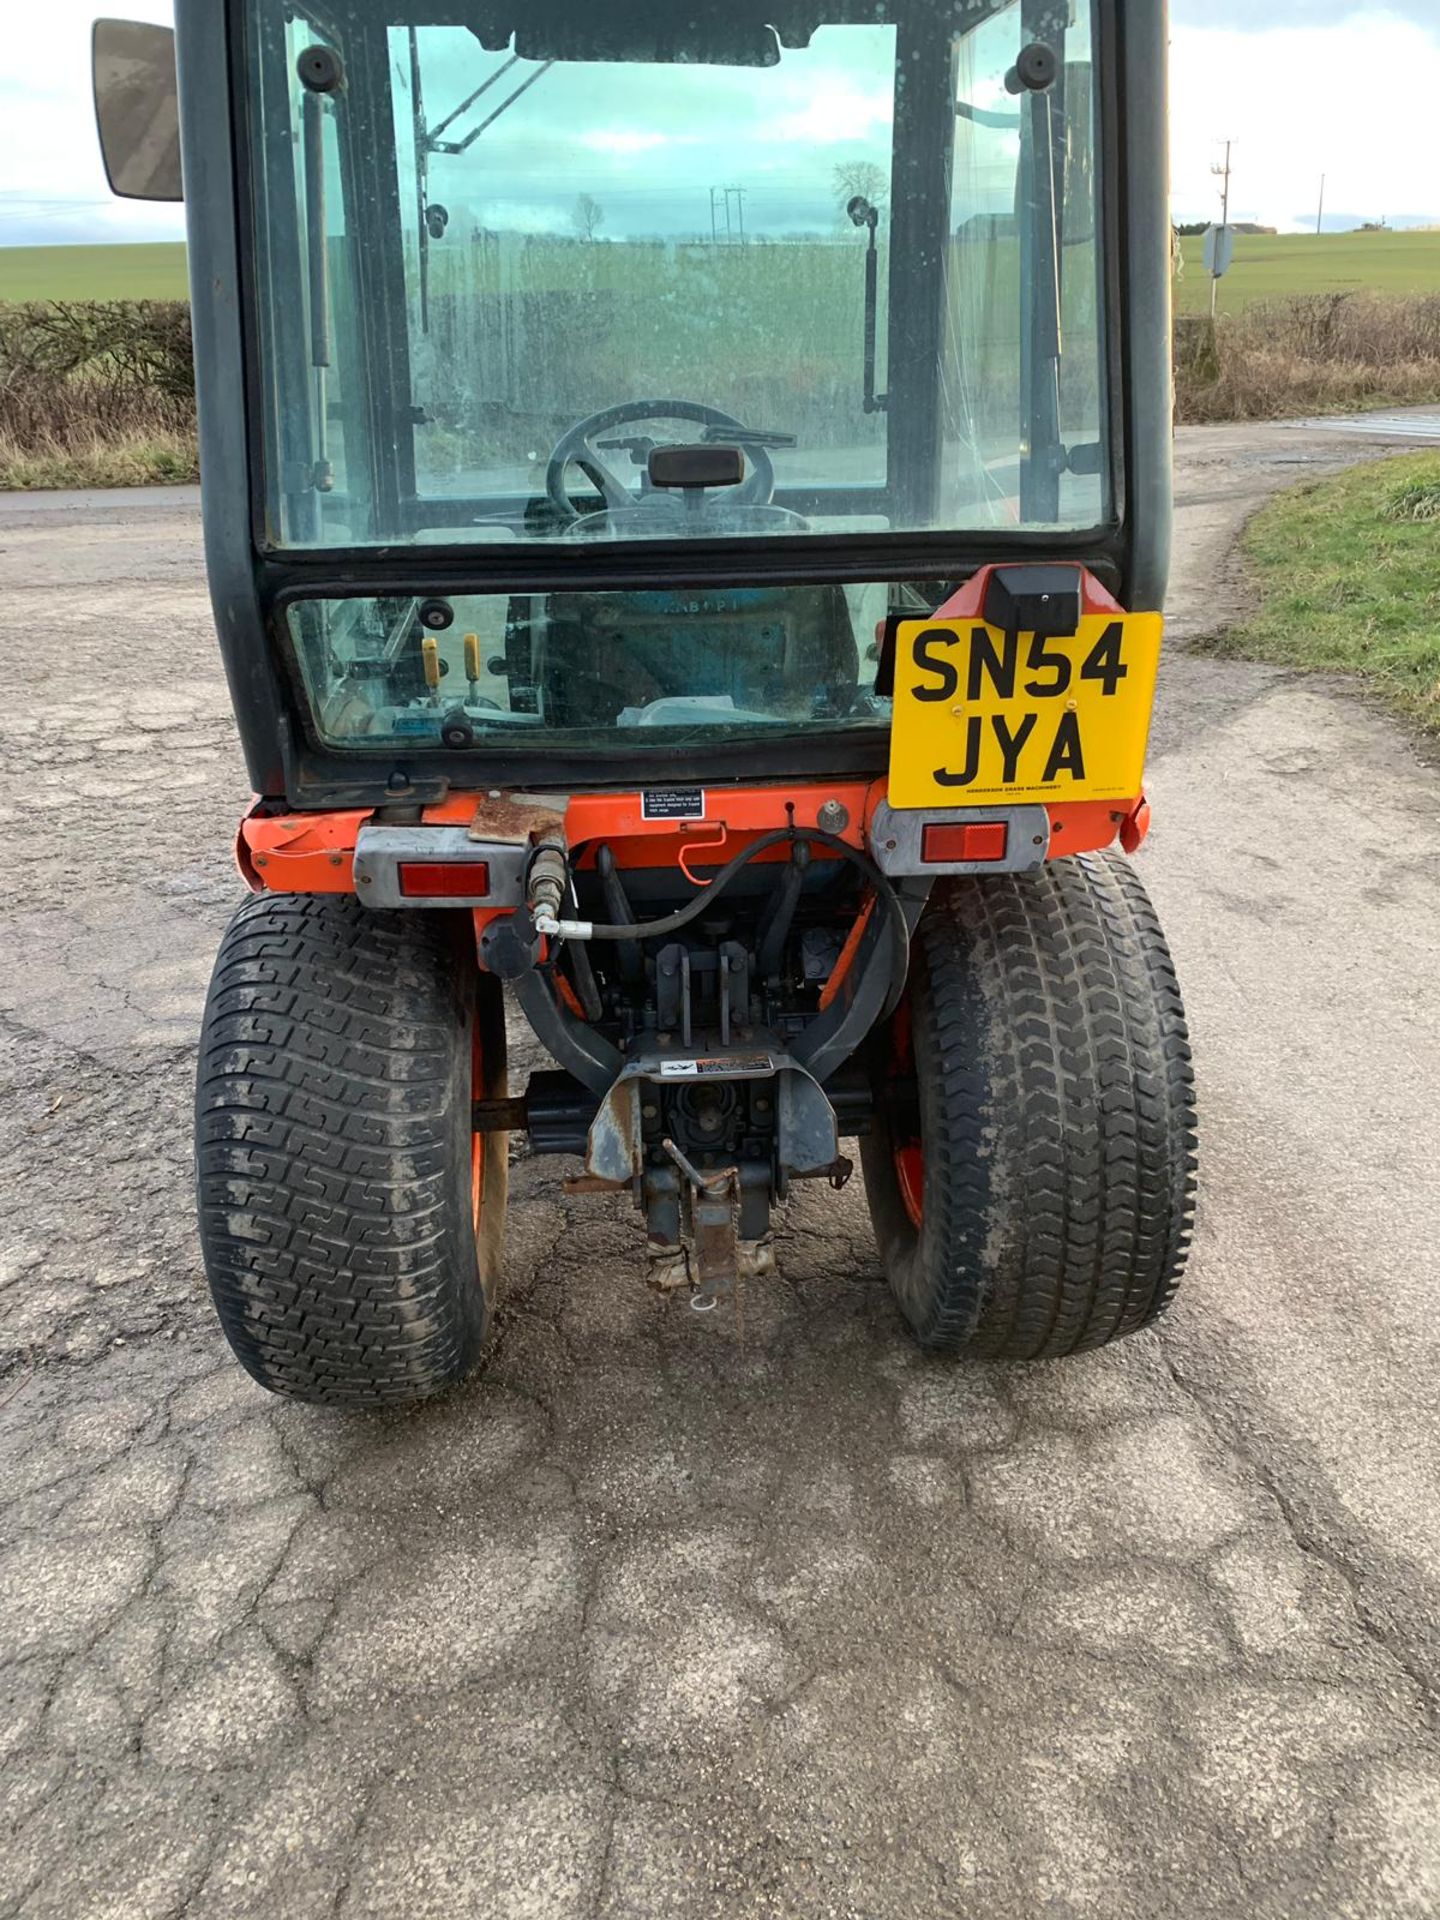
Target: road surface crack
[[1312, 1545]]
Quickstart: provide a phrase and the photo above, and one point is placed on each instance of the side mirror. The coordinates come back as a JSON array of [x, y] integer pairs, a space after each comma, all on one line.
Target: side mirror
[[136, 108]]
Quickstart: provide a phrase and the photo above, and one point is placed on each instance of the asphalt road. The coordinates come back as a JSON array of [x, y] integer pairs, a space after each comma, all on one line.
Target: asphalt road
[[637, 1623]]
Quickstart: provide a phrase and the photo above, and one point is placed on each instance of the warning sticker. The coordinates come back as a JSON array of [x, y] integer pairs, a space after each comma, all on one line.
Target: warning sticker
[[723, 1066], [673, 803]]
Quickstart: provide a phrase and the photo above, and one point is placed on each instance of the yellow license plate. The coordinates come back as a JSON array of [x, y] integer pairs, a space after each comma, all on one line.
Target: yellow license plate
[[983, 716]]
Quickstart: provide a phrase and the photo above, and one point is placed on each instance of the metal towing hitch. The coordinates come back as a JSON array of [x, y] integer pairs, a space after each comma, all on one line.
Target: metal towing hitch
[[708, 1212]]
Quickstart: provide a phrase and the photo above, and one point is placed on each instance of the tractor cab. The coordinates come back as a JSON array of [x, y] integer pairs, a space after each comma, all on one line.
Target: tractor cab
[[675, 357], [687, 504]]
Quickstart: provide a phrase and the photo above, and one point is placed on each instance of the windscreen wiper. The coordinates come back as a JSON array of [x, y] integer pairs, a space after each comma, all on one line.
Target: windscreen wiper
[[434, 219], [436, 145], [747, 437], [432, 137]]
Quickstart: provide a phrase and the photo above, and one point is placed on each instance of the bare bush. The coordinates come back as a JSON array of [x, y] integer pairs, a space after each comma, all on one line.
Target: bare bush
[[77, 374], [1311, 353]]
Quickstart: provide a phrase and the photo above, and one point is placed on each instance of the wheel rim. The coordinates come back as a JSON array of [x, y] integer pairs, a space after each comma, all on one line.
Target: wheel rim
[[477, 1140], [907, 1153], [910, 1176]]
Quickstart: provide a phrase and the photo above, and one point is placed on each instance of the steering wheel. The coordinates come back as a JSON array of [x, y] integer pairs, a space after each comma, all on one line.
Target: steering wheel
[[577, 447]]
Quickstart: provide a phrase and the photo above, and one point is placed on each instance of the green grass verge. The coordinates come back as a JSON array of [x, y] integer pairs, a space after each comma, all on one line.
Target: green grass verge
[[1349, 577], [1269, 266], [134, 460]]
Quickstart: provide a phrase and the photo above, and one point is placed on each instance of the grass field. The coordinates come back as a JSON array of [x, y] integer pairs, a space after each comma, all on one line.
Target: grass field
[[153, 272], [1289, 263], [535, 324], [1349, 577]]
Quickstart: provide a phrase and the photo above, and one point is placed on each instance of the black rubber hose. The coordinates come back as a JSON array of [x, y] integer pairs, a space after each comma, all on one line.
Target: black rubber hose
[[585, 985], [632, 965], [775, 926], [890, 900]]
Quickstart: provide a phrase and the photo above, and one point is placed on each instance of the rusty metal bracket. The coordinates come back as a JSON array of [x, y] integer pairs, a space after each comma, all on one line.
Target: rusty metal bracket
[[712, 1228], [712, 1200], [808, 1137], [521, 819]]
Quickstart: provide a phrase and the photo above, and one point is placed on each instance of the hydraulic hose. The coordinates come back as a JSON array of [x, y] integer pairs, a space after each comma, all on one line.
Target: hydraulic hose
[[673, 922]]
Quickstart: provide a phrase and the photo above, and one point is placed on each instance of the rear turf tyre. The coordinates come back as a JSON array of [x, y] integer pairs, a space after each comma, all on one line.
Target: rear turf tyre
[[1031, 1167], [351, 1221]]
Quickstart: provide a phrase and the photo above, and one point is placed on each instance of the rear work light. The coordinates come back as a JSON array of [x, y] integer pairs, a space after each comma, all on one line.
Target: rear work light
[[944, 842], [444, 879]]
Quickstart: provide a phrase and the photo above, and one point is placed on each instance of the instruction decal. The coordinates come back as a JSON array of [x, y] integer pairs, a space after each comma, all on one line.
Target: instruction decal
[[722, 1066], [673, 803]]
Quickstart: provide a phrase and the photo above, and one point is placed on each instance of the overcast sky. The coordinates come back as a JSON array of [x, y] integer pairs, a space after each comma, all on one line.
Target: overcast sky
[[1343, 87]]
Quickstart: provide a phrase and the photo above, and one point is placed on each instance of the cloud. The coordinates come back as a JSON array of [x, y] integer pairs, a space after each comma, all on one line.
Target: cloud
[[52, 185], [835, 114], [1321, 86], [1305, 16], [1296, 105], [623, 140], [41, 220], [524, 216]]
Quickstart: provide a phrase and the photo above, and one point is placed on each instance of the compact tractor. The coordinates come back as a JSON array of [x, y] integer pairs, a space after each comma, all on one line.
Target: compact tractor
[[687, 500]]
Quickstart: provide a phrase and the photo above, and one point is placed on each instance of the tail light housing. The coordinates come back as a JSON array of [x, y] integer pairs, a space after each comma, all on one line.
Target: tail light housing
[[437, 866], [946, 842], [444, 879]]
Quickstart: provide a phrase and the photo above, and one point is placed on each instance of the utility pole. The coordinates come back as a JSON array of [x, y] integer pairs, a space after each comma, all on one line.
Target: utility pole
[[729, 202], [1320, 216], [1223, 175]]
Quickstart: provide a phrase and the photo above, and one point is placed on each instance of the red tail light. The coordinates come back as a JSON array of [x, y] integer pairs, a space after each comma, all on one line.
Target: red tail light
[[444, 879], [944, 841]]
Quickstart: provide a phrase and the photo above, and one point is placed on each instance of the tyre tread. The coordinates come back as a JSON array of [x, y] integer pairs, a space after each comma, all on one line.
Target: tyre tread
[[1060, 1143], [330, 1111]]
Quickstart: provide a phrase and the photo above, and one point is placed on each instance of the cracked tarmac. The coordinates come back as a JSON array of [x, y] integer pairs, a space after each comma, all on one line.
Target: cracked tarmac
[[639, 1623]]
